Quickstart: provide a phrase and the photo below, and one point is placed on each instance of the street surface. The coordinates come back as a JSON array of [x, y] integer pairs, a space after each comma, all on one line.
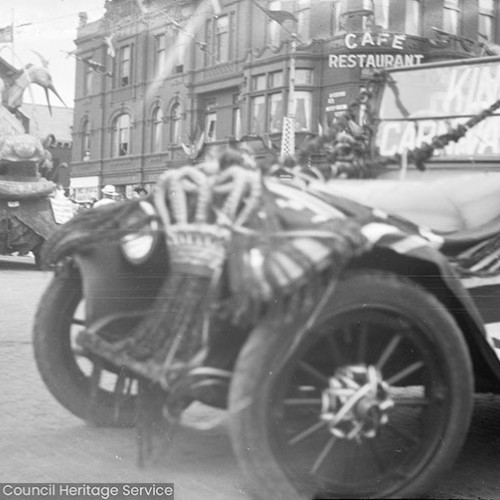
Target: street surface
[[41, 442]]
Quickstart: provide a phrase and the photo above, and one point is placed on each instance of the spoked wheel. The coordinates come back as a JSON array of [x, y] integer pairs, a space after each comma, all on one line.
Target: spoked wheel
[[98, 393], [373, 402]]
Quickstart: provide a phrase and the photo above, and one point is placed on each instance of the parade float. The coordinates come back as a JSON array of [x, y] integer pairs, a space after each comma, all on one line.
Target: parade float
[[31, 206]]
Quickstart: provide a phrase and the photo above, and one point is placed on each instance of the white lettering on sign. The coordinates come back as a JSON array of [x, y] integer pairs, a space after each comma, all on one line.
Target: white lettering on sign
[[367, 39], [333, 104], [455, 93], [373, 60], [397, 42], [471, 89], [334, 95], [396, 137], [349, 41], [354, 41]]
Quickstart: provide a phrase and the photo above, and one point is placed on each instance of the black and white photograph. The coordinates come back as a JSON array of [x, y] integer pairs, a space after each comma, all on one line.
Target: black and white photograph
[[249, 249]]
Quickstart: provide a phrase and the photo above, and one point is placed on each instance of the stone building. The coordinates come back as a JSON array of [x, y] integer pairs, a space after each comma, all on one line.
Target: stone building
[[159, 80]]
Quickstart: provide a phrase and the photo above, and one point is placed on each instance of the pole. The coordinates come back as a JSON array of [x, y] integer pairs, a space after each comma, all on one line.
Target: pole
[[12, 51], [291, 82], [288, 135]]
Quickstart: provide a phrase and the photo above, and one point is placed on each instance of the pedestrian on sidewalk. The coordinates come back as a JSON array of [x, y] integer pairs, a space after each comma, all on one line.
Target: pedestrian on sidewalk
[[109, 195]]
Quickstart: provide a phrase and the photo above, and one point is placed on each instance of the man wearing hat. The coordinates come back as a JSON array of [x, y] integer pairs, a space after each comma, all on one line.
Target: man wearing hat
[[109, 195]]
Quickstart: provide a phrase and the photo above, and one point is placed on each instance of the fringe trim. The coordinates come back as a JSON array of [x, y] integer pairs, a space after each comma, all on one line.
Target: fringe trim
[[95, 226]]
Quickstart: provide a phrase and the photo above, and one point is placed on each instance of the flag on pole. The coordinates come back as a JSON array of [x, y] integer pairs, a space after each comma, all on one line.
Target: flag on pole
[[195, 145], [93, 65], [108, 40], [6, 34], [280, 16], [96, 66]]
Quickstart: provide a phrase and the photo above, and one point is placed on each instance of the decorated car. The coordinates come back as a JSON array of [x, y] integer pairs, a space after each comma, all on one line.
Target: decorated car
[[344, 325]]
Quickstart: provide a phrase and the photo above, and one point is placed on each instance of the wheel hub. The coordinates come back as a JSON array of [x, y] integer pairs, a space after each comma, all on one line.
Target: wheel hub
[[356, 402]]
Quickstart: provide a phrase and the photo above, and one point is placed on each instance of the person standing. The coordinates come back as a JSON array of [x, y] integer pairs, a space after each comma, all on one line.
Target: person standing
[[109, 195], [139, 192]]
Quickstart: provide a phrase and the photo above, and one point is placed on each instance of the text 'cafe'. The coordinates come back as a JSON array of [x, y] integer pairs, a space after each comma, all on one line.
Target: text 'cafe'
[[381, 52]]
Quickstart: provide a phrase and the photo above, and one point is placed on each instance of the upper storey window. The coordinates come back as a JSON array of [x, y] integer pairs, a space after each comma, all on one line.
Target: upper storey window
[[353, 15], [86, 139], [380, 14], [304, 20], [486, 28], [121, 135], [451, 15], [413, 19], [222, 39], [157, 130], [219, 39], [160, 54], [124, 66], [88, 77], [274, 27], [175, 123]]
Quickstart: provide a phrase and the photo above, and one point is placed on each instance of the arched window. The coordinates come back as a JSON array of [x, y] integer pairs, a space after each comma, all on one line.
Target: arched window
[[175, 123], [121, 135], [157, 130], [86, 139]]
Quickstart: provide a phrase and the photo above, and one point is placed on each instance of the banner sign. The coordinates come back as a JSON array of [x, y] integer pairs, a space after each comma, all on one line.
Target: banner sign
[[333, 105], [62, 208], [419, 104]]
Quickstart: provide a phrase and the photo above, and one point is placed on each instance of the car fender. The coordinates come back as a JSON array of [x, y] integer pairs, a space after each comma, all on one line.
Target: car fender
[[418, 257]]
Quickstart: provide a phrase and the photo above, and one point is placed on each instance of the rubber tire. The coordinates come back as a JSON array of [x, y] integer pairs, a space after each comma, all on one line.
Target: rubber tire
[[268, 343], [56, 363]]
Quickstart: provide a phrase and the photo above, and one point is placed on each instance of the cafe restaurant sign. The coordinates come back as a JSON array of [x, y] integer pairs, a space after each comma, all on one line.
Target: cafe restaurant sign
[[376, 56]]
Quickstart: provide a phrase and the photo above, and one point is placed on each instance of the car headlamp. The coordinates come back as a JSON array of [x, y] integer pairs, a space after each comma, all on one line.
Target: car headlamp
[[137, 247]]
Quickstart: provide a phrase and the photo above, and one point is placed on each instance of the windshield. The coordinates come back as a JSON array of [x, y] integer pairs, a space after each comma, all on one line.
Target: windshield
[[419, 104]]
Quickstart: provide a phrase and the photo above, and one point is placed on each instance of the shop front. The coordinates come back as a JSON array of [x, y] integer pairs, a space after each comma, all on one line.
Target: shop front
[[124, 183], [84, 189]]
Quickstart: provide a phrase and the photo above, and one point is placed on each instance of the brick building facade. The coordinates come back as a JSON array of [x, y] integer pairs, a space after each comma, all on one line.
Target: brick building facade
[[156, 80]]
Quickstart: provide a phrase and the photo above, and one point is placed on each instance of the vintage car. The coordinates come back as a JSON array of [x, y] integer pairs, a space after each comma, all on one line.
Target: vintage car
[[348, 325]]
